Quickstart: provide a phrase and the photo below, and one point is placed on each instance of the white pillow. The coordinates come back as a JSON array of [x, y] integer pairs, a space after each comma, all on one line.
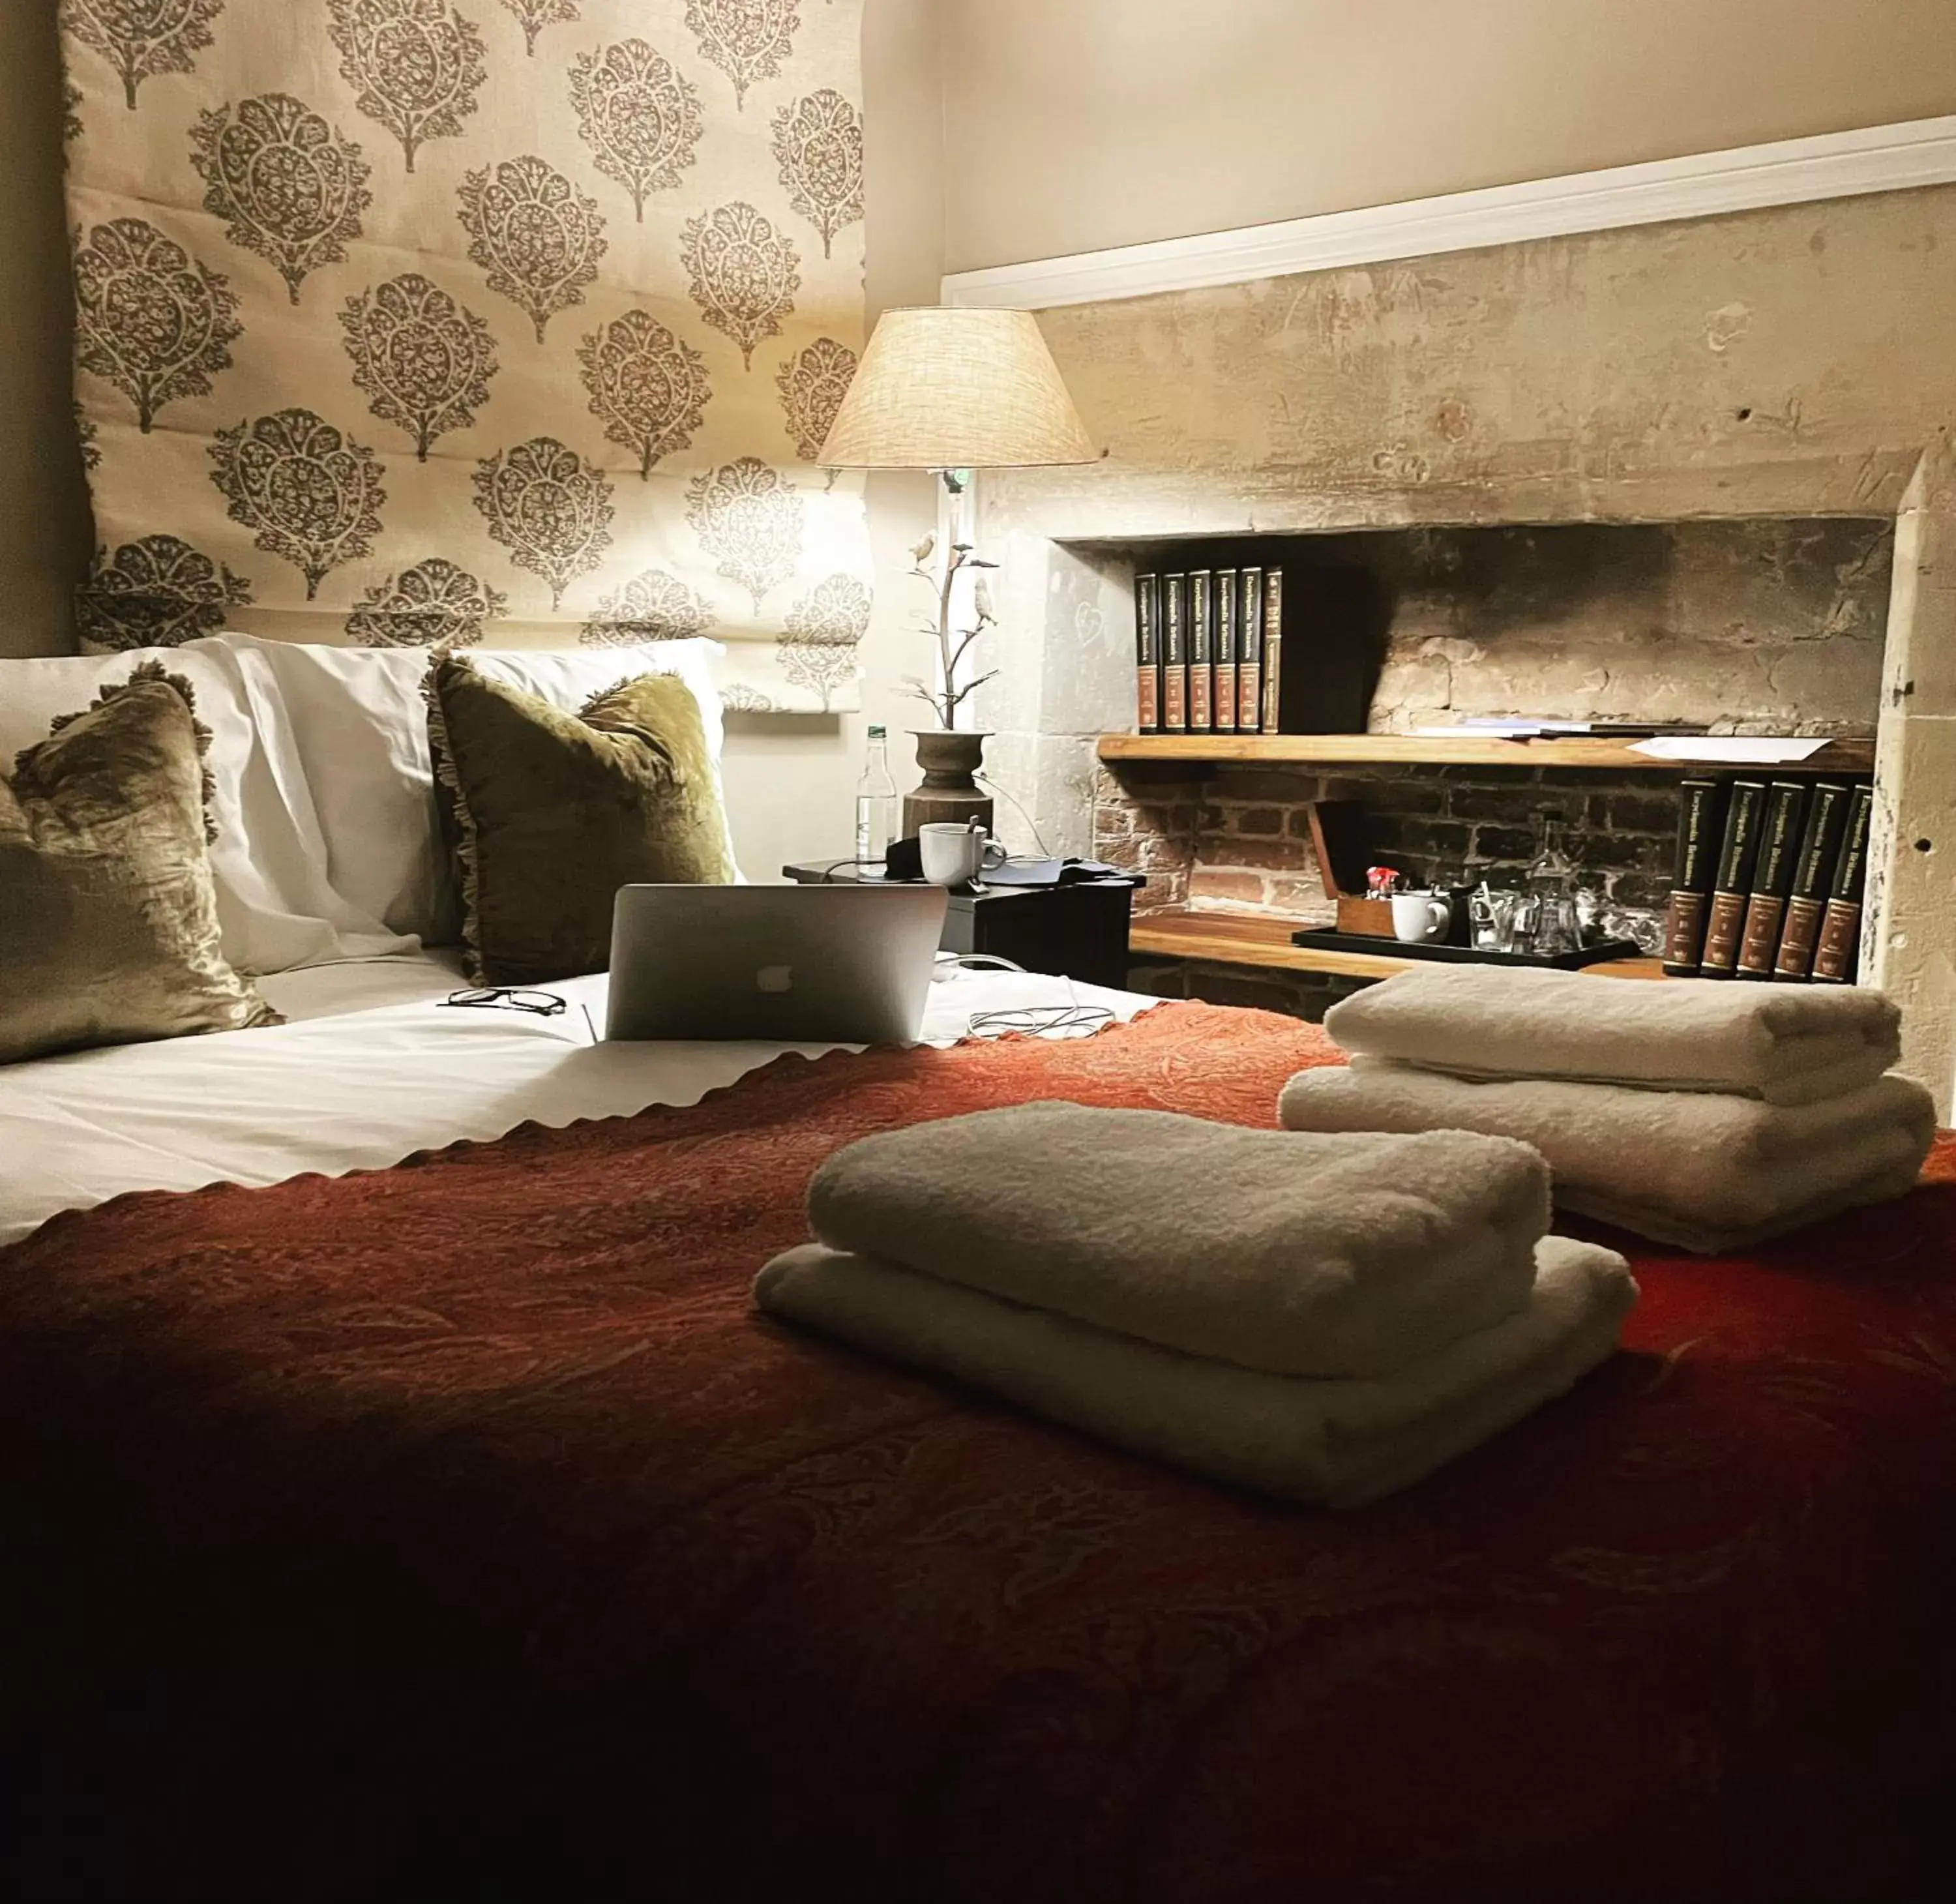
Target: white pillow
[[569, 677], [361, 721], [276, 905]]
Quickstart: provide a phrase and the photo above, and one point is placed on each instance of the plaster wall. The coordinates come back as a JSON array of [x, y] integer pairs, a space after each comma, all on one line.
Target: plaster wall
[[1908, 944], [1793, 362], [1760, 625], [1757, 627]]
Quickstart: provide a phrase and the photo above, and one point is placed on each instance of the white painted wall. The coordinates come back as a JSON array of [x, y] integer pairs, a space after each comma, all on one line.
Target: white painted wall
[[1076, 124], [791, 778]]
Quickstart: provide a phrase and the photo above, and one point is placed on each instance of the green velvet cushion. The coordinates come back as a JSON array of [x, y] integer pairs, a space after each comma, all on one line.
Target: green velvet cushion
[[557, 810], [108, 913]]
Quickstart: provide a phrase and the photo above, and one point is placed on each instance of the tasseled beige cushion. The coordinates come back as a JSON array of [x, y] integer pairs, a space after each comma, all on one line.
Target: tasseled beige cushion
[[556, 811], [109, 926]]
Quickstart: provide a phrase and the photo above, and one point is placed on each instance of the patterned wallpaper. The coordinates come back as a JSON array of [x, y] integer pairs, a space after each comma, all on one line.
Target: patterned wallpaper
[[413, 320]]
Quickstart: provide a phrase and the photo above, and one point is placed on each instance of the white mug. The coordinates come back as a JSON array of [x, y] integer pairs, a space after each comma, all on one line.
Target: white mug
[[1420, 918], [954, 855]]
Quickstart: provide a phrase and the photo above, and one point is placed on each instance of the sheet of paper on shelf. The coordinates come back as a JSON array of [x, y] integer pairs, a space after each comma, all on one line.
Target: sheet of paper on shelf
[[1477, 728], [1730, 750]]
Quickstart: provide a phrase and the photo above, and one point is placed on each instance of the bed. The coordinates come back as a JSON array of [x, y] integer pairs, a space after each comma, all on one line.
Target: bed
[[399, 1496], [456, 1528]]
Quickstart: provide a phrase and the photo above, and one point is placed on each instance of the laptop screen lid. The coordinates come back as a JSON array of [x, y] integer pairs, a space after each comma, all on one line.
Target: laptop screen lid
[[793, 964]]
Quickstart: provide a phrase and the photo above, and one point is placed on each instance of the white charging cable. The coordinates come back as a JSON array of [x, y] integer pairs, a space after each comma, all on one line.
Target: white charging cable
[[949, 964], [991, 786], [1077, 1020]]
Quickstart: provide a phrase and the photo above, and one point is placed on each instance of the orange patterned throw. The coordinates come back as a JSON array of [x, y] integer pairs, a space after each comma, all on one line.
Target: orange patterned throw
[[459, 1529]]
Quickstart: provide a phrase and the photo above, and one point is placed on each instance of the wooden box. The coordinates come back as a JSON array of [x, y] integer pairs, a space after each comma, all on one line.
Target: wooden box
[[1371, 916]]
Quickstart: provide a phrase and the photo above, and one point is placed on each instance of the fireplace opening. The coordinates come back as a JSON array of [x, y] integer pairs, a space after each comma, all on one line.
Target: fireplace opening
[[1731, 625], [1755, 625]]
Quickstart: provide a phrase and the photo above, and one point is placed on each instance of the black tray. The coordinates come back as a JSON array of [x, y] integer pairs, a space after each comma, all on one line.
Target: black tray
[[1330, 938]]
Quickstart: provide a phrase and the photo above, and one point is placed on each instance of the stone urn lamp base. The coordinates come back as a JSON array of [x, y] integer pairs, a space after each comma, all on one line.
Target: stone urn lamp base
[[948, 794]]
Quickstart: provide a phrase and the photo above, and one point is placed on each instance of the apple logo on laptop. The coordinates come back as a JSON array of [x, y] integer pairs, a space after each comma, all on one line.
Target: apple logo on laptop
[[774, 978]]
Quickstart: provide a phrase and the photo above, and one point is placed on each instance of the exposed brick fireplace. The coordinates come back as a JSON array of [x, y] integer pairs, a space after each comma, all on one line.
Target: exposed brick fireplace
[[1240, 837], [1768, 508], [1770, 626]]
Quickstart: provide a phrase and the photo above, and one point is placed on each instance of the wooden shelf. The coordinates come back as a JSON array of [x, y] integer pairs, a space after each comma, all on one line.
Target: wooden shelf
[[1395, 749], [1256, 939]]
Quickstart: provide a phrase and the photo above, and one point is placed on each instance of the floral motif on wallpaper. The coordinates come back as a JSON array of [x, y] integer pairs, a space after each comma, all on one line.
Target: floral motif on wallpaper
[[435, 604], [416, 66], [549, 508], [652, 606], [743, 272], [747, 39], [288, 185], [535, 15], [442, 322], [750, 516], [422, 361], [819, 146], [813, 385], [649, 389], [143, 38], [149, 318], [537, 237], [155, 594], [309, 495], [641, 119], [819, 650]]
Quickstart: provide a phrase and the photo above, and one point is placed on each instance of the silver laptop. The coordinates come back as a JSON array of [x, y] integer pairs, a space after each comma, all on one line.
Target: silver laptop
[[796, 965]]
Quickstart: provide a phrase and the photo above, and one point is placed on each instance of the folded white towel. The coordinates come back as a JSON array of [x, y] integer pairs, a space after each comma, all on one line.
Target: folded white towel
[[1300, 1255], [1341, 1443], [1665, 1226], [1708, 1171], [1789, 1044]]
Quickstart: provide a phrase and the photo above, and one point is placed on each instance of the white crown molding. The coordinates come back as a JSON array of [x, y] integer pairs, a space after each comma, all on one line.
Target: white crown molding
[[1788, 172]]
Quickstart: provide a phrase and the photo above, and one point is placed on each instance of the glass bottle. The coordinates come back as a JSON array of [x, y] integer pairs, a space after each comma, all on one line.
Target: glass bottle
[[876, 803], [1551, 887]]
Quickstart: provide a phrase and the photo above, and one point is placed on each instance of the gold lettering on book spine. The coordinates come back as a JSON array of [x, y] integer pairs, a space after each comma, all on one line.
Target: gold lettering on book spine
[[1721, 932], [1801, 934]]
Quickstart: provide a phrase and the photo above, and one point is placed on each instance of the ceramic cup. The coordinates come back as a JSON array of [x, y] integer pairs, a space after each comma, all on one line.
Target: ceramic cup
[[954, 855], [1420, 918]]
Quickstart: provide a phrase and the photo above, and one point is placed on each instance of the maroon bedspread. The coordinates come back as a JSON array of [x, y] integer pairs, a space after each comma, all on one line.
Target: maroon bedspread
[[457, 1530]]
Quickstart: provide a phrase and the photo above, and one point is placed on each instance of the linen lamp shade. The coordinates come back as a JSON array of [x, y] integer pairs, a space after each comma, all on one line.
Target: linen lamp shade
[[945, 389]]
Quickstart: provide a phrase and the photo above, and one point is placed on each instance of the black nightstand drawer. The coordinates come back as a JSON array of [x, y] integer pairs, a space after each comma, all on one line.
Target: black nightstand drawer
[[1079, 930]]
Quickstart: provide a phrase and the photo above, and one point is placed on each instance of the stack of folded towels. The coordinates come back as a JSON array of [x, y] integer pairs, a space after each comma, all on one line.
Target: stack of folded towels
[[1322, 1317], [1710, 1115]]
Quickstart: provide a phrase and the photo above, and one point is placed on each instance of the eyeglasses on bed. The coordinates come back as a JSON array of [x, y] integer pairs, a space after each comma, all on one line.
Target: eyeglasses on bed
[[510, 998]]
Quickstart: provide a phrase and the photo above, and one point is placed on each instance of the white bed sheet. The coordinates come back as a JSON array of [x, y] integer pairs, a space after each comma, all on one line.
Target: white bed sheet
[[363, 985], [371, 1069]]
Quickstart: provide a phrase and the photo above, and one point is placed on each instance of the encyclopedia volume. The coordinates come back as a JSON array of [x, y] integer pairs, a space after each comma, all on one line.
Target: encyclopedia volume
[[1207, 643], [1768, 880]]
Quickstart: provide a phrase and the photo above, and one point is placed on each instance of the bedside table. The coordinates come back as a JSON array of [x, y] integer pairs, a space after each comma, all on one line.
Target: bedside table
[[1077, 931]]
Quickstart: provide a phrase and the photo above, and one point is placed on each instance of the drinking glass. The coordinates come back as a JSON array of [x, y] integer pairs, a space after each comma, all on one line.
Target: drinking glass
[[1482, 930], [1523, 922], [1557, 928], [1490, 917]]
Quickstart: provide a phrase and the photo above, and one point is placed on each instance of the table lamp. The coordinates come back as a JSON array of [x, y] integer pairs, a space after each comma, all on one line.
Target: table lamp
[[955, 391]]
